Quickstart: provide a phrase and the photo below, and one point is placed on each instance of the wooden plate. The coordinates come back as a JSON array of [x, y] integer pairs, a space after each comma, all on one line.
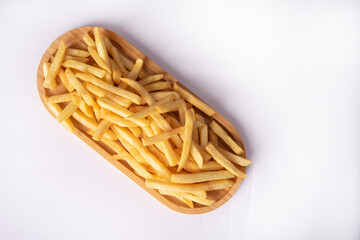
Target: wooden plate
[[73, 38]]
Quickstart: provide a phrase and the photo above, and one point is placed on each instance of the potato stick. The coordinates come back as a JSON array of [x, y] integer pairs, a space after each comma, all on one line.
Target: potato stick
[[179, 196], [234, 158], [166, 147], [159, 95], [161, 122], [154, 150], [160, 169], [56, 110], [176, 187], [91, 124], [103, 93], [55, 65], [213, 138], [88, 40], [131, 149], [182, 110], [100, 46], [162, 136], [136, 131], [116, 55], [79, 59], [188, 196], [128, 158], [102, 84], [147, 111], [65, 81], [223, 161], [46, 67], [201, 177], [65, 97], [98, 60], [67, 112], [151, 79], [116, 119], [76, 52], [83, 67], [79, 87], [195, 133], [187, 140], [192, 167], [225, 137], [121, 111], [170, 106], [194, 100], [86, 109], [134, 73], [158, 86], [101, 129], [139, 89], [203, 132], [129, 65], [116, 73], [136, 108]]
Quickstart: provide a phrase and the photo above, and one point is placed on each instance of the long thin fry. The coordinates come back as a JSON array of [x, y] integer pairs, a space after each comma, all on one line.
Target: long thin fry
[[187, 140], [67, 112], [234, 158], [76, 52], [98, 60], [55, 65], [151, 79], [100, 46], [158, 86], [79, 87], [88, 40], [170, 106], [120, 121], [66, 97], [162, 136], [223, 161], [201, 177], [194, 100], [101, 129], [79, 59], [46, 67], [83, 67], [65, 81], [56, 110], [226, 138], [102, 84], [140, 89], [134, 73]]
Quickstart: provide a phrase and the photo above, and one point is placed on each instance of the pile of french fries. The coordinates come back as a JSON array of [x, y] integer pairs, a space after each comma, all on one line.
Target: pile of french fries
[[165, 133]]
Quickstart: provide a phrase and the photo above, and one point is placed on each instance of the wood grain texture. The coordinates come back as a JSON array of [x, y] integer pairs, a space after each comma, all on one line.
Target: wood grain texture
[[73, 38]]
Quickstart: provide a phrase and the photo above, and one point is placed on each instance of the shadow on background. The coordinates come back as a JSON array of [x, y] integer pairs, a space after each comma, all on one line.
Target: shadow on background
[[195, 86]]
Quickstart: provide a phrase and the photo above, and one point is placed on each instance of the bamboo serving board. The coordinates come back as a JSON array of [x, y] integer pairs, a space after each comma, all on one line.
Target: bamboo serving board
[[73, 39]]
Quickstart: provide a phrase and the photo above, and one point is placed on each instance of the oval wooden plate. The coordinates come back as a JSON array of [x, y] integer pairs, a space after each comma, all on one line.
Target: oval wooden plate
[[73, 38]]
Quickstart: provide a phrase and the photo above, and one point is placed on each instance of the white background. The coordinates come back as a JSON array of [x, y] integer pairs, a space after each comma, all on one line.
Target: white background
[[285, 73]]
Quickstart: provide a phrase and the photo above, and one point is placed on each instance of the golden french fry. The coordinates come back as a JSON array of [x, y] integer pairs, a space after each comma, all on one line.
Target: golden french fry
[[99, 92], [139, 89], [116, 73], [234, 158], [56, 110], [187, 140], [161, 94], [67, 112], [65, 81], [166, 147], [179, 196], [136, 131], [151, 79], [134, 73], [160, 169], [223, 161], [201, 177], [83, 67], [88, 40], [170, 106], [79, 59], [66, 97], [158, 86], [225, 137], [176, 187], [120, 121], [182, 110], [86, 109], [98, 60], [203, 132], [147, 111], [136, 108], [213, 138], [189, 196], [55, 65], [46, 67], [128, 158], [162, 136], [100, 46], [195, 133], [91, 124], [76, 52], [192, 167], [79, 87], [101, 129], [158, 154], [116, 55], [194, 100], [104, 85]]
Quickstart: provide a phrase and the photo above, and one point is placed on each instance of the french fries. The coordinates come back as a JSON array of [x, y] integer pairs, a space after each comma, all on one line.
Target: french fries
[[167, 136]]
